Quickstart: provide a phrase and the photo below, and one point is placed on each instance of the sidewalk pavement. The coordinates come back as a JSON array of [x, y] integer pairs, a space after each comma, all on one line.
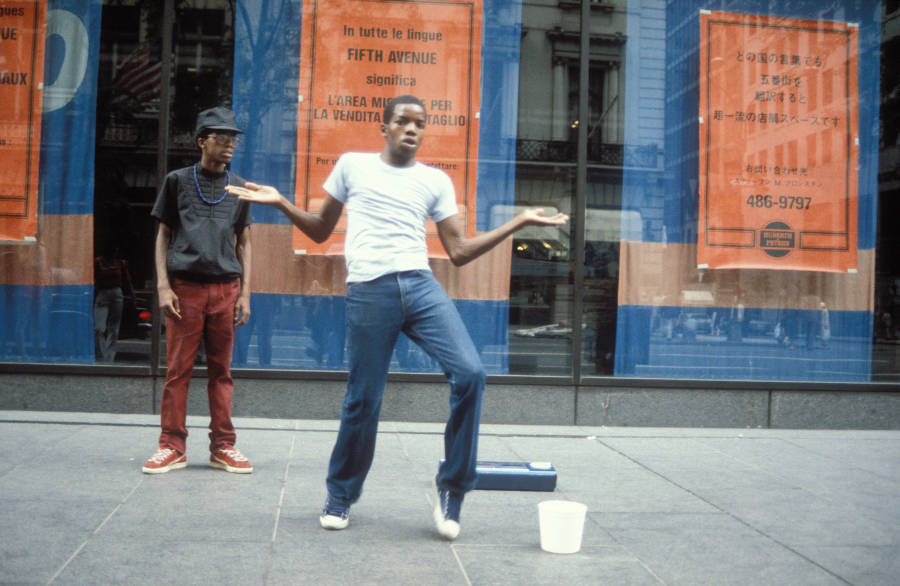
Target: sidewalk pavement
[[665, 506]]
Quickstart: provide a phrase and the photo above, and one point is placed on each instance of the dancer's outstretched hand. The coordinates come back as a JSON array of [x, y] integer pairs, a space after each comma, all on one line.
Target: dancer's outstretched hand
[[536, 216], [255, 193]]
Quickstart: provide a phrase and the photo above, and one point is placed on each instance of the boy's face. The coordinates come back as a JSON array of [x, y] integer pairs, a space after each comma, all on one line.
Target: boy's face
[[218, 147], [405, 131]]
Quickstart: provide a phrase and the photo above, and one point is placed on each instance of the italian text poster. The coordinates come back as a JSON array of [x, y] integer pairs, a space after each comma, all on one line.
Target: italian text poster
[[778, 143], [357, 54], [22, 30]]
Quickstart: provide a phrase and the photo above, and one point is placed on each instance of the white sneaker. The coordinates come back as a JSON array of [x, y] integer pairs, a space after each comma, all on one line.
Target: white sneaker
[[447, 506], [334, 515]]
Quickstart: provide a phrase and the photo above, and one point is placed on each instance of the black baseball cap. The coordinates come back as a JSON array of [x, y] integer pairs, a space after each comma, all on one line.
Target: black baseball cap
[[218, 118]]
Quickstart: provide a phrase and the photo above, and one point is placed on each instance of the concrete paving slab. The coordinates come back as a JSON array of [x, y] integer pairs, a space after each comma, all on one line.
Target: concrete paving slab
[[795, 518], [873, 566], [137, 523], [711, 549], [336, 558], [164, 560], [876, 455], [823, 471], [39, 535], [62, 480], [20, 446], [498, 564]]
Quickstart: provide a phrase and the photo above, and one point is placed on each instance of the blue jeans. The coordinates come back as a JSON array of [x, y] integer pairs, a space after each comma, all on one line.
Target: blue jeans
[[414, 303]]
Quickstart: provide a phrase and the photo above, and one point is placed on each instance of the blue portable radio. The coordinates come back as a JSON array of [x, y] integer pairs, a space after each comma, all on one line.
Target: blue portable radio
[[539, 476]]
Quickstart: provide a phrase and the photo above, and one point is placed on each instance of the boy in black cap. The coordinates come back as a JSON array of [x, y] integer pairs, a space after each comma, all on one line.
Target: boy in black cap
[[202, 259]]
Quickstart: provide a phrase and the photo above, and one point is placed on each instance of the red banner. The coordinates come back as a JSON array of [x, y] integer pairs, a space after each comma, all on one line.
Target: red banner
[[22, 31], [778, 143], [357, 54]]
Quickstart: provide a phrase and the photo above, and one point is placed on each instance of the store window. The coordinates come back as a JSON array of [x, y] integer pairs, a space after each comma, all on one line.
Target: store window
[[652, 285], [756, 254]]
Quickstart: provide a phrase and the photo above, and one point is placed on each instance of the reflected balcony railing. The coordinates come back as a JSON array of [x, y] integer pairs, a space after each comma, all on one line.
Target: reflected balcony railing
[[562, 151]]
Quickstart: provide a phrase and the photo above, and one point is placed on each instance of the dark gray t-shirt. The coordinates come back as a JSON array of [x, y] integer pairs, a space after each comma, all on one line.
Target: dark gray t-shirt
[[203, 234]]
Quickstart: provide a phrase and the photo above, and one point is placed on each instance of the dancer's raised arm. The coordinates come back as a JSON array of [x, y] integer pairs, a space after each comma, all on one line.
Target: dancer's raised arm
[[461, 249], [318, 225]]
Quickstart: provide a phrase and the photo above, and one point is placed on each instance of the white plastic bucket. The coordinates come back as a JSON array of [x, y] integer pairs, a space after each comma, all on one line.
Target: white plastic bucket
[[562, 525]]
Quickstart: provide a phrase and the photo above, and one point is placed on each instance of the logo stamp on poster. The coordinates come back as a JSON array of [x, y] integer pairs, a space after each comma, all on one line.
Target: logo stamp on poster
[[776, 239]]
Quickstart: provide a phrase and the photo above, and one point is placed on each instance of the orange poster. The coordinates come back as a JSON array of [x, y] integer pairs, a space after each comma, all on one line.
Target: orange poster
[[778, 143], [357, 54], [22, 29]]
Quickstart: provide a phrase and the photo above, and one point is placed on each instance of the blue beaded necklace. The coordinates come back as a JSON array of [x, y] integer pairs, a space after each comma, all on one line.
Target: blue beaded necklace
[[200, 192]]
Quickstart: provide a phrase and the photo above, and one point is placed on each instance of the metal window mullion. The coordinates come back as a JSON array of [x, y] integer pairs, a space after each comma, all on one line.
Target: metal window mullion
[[162, 153], [578, 215]]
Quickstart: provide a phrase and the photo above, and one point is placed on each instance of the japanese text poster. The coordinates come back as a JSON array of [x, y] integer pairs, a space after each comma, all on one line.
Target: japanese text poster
[[357, 54], [778, 143], [22, 30]]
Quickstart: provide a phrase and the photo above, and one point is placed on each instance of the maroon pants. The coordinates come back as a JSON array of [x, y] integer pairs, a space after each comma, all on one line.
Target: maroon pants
[[207, 312]]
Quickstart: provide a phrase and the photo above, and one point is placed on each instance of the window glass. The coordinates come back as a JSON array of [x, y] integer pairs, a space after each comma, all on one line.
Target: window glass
[[305, 282], [886, 350], [715, 132], [541, 290], [127, 142], [754, 254]]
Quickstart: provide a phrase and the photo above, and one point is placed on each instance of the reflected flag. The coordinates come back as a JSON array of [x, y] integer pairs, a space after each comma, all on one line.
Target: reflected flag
[[137, 79]]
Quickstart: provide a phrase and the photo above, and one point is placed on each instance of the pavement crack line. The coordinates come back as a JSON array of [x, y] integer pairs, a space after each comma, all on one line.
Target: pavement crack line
[[284, 481], [278, 509], [94, 532], [462, 568], [725, 512], [459, 562]]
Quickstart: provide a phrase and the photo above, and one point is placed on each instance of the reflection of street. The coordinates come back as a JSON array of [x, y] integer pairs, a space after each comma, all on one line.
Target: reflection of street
[[546, 331], [708, 356], [294, 349], [886, 361], [714, 356], [133, 344], [547, 355]]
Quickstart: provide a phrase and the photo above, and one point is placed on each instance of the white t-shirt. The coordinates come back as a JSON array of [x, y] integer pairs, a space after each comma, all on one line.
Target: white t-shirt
[[386, 211]]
